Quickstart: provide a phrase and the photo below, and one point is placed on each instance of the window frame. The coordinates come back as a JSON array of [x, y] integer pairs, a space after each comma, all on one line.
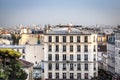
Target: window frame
[[49, 48], [71, 39], [78, 57], [49, 38], [71, 48], [64, 48], [78, 39], [85, 39], [64, 39], [78, 48], [57, 48], [50, 57], [57, 38]]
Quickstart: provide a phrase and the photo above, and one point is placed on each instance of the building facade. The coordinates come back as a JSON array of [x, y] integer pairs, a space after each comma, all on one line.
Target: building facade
[[117, 52], [111, 54], [70, 54], [102, 57]]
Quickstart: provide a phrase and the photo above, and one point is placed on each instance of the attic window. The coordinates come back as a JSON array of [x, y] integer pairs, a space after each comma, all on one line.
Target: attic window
[[119, 52]]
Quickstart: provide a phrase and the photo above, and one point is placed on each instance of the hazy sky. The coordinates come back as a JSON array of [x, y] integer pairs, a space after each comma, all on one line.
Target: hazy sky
[[83, 12]]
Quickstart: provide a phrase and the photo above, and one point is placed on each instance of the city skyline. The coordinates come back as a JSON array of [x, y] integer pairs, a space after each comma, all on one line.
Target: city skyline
[[82, 12]]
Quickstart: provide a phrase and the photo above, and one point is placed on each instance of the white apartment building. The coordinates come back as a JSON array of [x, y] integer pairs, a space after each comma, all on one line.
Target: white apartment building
[[5, 39], [102, 57], [117, 52], [31, 53], [111, 54], [70, 54]]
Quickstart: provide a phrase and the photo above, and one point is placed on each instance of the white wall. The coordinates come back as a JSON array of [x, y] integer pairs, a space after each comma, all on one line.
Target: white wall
[[34, 53]]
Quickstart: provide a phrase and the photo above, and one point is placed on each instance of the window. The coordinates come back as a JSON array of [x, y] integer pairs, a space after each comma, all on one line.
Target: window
[[57, 75], [86, 75], [57, 48], [95, 74], [57, 57], [71, 76], [71, 66], [78, 76], [119, 52], [94, 49], [86, 57], [57, 38], [94, 57], [50, 75], [86, 67], [23, 50], [50, 66], [78, 57], [78, 66], [64, 56], [93, 38], [71, 57], [57, 66], [78, 38], [85, 48], [64, 48], [71, 48], [64, 75], [50, 39], [94, 66], [86, 39], [64, 38], [23, 56], [78, 48], [64, 66], [71, 38], [50, 57], [49, 48], [35, 62]]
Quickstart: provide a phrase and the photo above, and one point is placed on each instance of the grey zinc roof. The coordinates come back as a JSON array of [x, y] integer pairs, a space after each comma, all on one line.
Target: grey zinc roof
[[65, 31]]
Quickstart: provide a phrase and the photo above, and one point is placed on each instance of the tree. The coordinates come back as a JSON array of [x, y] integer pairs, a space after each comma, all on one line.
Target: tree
[[15, 38], [10, 68]]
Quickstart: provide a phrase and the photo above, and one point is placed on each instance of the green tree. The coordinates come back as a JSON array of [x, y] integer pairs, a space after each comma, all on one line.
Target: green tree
[[10, 68]]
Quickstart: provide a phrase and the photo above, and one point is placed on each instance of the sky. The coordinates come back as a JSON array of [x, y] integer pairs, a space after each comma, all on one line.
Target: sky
[[41, 12]]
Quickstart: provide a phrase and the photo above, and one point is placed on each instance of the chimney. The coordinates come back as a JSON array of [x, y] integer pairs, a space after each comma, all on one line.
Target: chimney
[[69, 29], [46, 29]]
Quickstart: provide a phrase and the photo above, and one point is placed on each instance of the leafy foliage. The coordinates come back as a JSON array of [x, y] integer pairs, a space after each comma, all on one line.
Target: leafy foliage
[[10, 67], [5, 53]]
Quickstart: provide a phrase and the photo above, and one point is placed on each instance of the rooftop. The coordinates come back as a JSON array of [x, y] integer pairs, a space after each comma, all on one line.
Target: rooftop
[[12, 46], [25, 64], [68, 30]]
